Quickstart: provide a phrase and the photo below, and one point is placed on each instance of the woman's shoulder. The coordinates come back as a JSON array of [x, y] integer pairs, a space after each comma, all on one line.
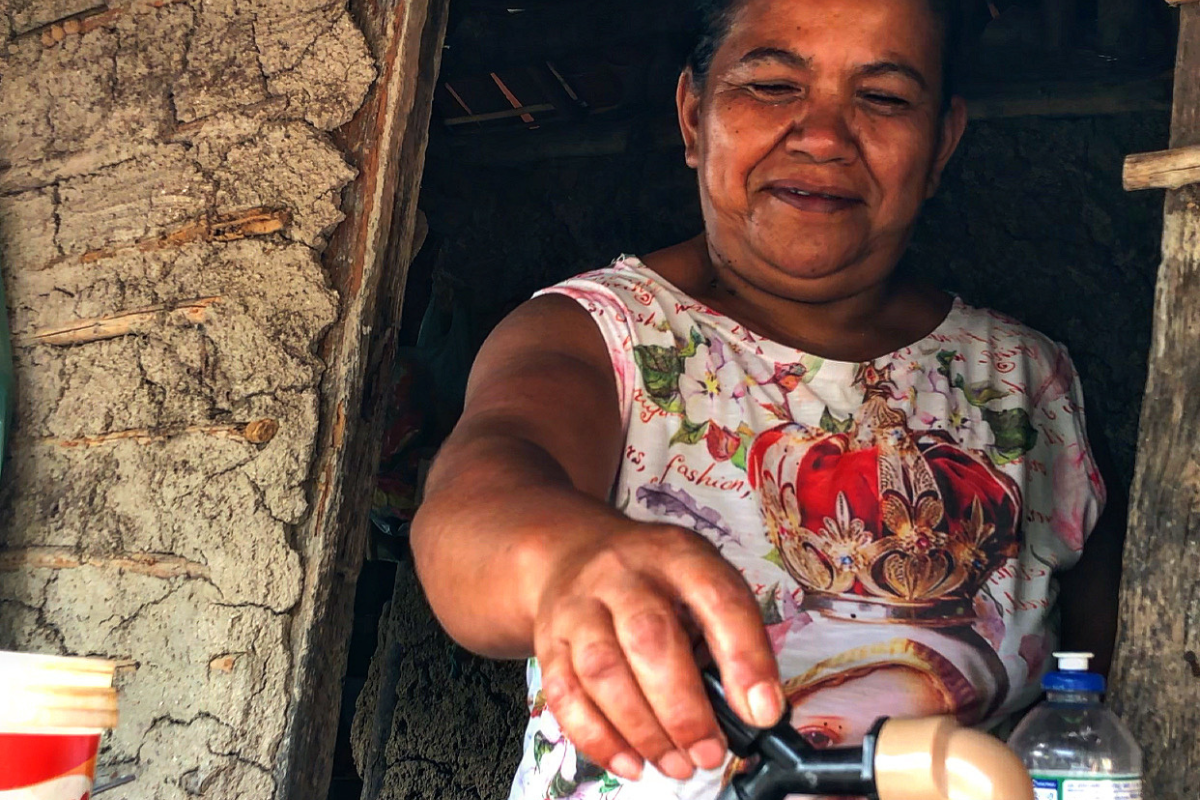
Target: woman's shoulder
[[995, 349], [625, 272], [628, 283], [997, 334]]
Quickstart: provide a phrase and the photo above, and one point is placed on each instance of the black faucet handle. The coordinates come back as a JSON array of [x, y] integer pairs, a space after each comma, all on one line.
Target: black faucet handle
[[786, 763], [741, 736]]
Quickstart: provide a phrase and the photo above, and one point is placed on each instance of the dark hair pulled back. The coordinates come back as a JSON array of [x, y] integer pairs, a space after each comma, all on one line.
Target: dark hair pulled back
[[714, 18]]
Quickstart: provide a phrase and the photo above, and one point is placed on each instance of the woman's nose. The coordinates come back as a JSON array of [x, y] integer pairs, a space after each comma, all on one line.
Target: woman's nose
[[822, 133]]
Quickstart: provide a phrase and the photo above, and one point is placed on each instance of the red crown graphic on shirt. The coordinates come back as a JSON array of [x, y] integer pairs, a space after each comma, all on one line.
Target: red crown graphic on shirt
[[880, 522]]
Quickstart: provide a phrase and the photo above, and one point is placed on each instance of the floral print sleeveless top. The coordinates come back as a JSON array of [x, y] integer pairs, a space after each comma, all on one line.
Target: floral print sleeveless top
[[899, 520]]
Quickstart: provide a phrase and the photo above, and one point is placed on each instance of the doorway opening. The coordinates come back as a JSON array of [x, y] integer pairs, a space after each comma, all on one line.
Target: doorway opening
[[554, 148]]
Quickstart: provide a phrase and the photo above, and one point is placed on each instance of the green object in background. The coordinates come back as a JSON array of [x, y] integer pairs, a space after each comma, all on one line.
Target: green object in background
[[6, 376]]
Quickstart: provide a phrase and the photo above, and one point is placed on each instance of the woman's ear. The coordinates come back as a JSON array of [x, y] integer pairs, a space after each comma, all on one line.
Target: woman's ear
[[687, 106], [950, 131]]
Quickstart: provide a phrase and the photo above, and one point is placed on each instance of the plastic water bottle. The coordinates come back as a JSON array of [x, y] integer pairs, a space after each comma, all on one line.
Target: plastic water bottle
[[1074, 747]]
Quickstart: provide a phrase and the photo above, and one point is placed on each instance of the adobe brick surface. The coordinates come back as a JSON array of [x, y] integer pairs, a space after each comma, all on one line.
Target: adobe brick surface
[[170, 151]]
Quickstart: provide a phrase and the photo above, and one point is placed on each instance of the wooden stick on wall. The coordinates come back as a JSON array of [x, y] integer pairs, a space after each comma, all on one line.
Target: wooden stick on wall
[[96, 329], [1164, 169]]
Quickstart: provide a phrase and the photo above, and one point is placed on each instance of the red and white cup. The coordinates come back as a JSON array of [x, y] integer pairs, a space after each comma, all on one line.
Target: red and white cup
[[53, 711]]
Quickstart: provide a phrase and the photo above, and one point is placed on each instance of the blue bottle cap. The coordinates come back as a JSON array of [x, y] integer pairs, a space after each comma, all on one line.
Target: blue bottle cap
[[1073, 682], [1072, 675]]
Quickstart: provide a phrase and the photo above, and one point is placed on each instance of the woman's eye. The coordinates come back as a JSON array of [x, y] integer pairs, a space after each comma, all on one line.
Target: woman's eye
[[882, 99], [773, 89]]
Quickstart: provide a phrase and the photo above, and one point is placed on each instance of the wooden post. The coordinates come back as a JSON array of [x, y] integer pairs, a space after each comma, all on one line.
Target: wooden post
[[1155, 685], [367, 260]]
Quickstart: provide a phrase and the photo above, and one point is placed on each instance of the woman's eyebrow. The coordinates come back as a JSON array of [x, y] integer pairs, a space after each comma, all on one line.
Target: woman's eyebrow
[[776, 54], [797, 61], [893, 67]]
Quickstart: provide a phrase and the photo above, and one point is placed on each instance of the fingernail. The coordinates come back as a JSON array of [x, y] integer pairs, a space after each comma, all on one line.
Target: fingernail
[[708, 754], [766, 705], [675, 765], [626, 766]]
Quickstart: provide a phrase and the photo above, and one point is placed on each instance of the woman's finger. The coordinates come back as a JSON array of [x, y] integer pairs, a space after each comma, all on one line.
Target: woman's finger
[[601, 667], [660, 657], [724, 607], [580, 719]]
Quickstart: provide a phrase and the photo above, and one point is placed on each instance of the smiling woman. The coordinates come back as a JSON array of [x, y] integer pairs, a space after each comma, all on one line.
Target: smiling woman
[[820, 211], [766, 446]]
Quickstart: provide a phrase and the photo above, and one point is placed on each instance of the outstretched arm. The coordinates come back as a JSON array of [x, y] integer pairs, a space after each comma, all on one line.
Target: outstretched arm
[[520, 553]]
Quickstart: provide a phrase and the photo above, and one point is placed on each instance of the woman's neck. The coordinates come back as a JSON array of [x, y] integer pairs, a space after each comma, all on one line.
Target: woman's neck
[[876, 320]]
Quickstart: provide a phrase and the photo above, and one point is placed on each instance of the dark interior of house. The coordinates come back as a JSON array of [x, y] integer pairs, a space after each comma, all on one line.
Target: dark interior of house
[[554, 148]]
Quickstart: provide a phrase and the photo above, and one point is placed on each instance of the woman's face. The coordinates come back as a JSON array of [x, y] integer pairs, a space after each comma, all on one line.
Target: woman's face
[[832, 716], [817, 136]]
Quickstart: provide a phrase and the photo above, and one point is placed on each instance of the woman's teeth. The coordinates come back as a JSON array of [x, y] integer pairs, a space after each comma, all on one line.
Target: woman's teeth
[[802, 193]]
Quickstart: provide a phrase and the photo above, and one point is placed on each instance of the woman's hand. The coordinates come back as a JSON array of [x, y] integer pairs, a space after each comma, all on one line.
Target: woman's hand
[[612, 636]]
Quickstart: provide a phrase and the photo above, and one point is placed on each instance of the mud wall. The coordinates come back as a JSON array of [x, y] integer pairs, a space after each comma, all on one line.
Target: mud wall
[[167, 184], [1031, 220]]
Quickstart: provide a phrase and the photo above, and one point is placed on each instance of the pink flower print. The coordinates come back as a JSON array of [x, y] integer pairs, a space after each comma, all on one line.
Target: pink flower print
[[710, 382], [1058, 382], [926, 420], [789, 608], [623, 366], [777, 633], [1074, 509], [1097, 482], [1033, 650], [938, 382], [988, 622], [792, 619]]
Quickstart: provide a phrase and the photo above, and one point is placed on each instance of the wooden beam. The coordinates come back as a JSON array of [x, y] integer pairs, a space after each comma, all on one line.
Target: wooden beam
[[1153, 686], [1164, 169], [518, 111], [367, 260]]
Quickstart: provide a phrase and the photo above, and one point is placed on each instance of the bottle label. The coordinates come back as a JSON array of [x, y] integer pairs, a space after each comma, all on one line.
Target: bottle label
[[1065, 787]]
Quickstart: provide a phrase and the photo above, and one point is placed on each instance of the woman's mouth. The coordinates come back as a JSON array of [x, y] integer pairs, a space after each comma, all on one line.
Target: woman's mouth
[[814, 199]]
